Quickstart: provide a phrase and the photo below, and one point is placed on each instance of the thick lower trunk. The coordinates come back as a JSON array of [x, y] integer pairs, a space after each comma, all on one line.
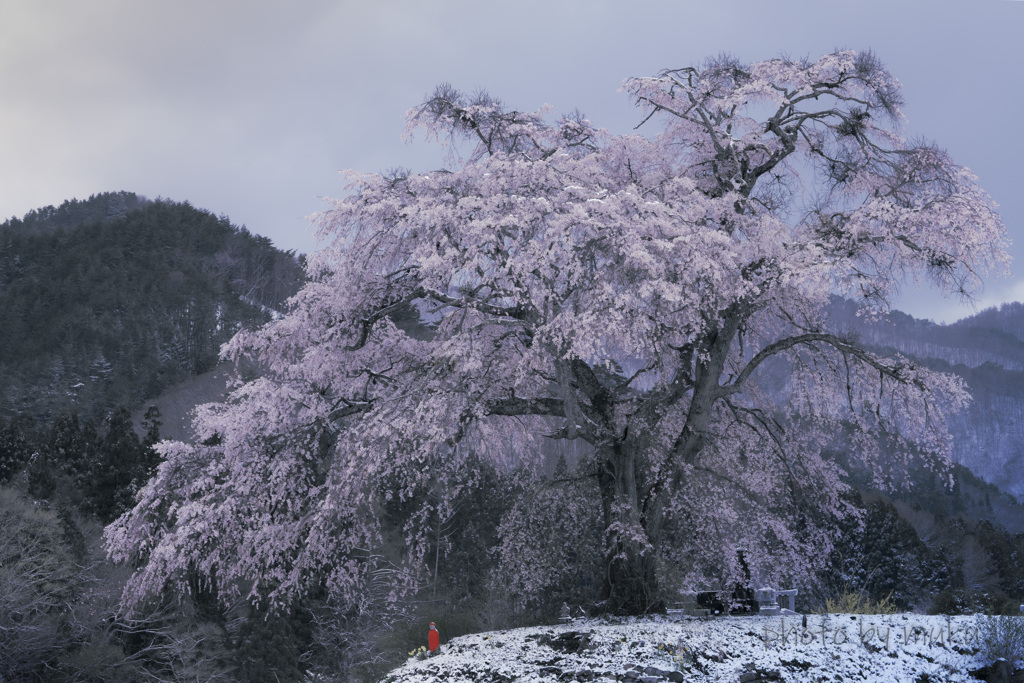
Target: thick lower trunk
[[631, 579], [632, 583], [633, 522]]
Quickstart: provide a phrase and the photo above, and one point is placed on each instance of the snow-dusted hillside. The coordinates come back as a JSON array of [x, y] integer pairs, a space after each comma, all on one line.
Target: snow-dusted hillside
[[889, 648], [987, 351]]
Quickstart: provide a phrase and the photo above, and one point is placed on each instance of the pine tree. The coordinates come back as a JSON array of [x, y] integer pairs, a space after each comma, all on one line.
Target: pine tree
[[15, 449], [114, 476]]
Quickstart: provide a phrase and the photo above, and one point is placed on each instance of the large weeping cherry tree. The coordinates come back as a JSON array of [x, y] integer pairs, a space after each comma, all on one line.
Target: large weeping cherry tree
[[640, 294]]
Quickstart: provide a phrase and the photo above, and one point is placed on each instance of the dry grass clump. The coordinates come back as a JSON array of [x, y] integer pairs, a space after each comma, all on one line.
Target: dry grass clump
[[853, 602]]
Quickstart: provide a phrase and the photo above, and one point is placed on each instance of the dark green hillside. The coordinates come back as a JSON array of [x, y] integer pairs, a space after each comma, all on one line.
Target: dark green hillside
[[108, 301]]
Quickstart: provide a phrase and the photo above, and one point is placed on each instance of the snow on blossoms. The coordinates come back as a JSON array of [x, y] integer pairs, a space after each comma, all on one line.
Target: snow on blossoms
[[638, 296]]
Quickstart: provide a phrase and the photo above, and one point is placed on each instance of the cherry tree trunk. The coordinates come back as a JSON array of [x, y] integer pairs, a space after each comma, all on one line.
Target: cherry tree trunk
[[630, 577]]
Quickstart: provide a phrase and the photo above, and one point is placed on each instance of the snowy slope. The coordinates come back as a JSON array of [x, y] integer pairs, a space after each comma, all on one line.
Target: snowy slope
[[875, 648]]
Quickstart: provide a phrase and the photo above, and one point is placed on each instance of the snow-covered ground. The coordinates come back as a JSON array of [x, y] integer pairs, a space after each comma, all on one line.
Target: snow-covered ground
[[877, 648]]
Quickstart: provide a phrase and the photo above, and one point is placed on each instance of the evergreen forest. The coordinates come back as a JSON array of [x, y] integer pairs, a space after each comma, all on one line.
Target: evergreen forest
[[111, 300]]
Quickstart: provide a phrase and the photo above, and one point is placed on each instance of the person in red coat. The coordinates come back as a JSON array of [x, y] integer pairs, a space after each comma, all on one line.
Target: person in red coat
[[433, 638]]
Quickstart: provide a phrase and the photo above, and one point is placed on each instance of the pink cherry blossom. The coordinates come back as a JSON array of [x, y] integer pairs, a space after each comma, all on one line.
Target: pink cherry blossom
[[659, 298]]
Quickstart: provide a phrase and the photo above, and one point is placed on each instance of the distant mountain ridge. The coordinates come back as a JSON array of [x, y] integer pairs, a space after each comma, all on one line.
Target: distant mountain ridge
[[110, 300], [993, 335], [73, 213], [987, 351]]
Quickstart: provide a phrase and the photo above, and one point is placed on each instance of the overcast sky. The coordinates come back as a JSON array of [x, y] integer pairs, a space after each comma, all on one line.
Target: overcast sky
[[249, 108]]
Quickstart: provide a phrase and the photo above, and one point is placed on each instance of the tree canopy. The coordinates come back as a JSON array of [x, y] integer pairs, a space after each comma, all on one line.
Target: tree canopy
[[638, 295]]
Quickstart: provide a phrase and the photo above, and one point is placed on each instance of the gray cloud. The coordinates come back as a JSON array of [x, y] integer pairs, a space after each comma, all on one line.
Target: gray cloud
[[249, 108]]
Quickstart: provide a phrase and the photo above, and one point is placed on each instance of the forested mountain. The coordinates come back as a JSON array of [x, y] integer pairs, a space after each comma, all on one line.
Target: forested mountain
[[106, 303], [110, 300], [987, 351]]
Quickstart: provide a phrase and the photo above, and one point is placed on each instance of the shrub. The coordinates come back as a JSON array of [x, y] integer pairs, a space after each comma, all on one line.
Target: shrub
[[951, 602], [997, 602], [1002, 638]]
